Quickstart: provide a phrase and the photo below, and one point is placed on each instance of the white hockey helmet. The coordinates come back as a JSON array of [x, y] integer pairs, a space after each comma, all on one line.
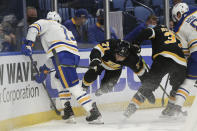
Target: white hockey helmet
[[179, 8], [53, 15]]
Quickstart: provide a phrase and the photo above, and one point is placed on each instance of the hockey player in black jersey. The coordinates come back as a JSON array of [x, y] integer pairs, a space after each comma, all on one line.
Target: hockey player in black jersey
[[111, 55], [167, 57]]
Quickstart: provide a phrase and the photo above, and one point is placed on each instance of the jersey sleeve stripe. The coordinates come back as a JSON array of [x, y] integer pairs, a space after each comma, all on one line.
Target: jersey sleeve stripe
[[153, 35], [100, 48], [193, 46], [39, 26], [191, 42], [36, 26]]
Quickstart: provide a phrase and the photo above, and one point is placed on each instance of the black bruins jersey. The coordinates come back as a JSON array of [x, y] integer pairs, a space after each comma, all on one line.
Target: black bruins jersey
[[164, 42], [105, 51]]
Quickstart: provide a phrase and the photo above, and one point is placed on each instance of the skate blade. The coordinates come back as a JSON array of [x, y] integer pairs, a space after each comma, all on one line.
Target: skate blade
[[98, 94], [98, 121], [174, 117], [166, 117], [127, 115], [71, 120]]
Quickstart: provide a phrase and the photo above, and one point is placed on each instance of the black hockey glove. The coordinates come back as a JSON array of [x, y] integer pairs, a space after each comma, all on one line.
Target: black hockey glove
[[135, 47], [95, 63]]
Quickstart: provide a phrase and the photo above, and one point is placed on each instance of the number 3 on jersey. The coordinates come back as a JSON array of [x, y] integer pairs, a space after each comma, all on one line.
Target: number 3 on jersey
[[171, 37]]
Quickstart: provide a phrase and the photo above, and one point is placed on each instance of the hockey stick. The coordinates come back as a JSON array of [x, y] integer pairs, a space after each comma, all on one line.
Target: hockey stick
[[52, 103], [73, 66], [162, 100], [77, 66], [149, 69]]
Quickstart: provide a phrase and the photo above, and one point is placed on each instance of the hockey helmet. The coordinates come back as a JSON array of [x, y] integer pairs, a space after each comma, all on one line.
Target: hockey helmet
[[123, 48], [53, 15], [179, 8]]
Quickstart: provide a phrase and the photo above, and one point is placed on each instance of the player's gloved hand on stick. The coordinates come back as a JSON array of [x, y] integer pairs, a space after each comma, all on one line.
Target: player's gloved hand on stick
[[39, 78], [26, 48], [135, 47], [94, 63]]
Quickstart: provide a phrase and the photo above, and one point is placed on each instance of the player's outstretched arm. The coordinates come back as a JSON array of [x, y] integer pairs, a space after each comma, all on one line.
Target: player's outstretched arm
[[145, 34]]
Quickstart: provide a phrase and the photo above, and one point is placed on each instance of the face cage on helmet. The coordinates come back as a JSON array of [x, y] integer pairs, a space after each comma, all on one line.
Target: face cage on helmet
[[123, 54]]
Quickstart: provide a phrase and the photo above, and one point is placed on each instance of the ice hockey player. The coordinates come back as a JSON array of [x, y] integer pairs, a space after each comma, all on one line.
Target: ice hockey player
[[186, 29], [167, 57], [61, 48], [110, 56]]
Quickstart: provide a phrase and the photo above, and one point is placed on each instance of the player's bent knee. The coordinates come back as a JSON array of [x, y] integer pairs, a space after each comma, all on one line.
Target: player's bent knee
[[76, 90], [148, 94]]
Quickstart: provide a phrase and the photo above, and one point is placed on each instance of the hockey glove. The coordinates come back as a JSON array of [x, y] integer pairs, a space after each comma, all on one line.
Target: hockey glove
[[39, 78], [26, 48], [135, 47], [95, 63]]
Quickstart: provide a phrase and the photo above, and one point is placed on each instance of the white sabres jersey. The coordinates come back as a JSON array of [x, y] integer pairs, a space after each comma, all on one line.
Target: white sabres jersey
[[186, 29], [53, 36]]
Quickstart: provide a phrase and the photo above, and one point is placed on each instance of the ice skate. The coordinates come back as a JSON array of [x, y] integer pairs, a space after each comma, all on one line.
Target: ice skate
[[131, 109], [173, 110], [95, 116], [68, 114]]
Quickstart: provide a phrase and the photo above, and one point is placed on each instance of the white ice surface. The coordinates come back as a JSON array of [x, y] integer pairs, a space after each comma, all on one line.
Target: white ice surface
[[142, 120]]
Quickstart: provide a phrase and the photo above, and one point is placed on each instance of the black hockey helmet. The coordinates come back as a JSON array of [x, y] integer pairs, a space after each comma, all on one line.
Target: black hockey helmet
[[123, 48]]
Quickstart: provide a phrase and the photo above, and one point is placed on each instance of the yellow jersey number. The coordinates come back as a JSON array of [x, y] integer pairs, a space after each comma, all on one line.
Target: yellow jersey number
[[171, 37], [104, 46]]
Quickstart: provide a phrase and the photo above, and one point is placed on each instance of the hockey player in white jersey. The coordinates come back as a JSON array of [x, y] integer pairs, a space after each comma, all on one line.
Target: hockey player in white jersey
[[61, 47], [186, 29]]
